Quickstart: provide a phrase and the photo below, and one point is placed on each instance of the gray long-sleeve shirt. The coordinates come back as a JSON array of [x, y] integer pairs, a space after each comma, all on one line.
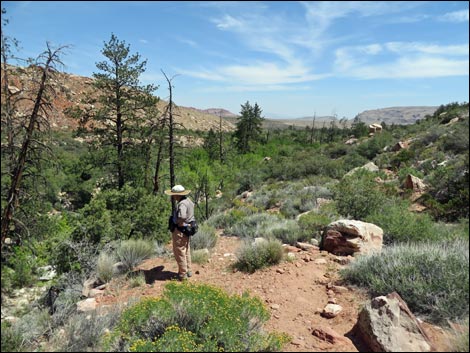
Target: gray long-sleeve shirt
[[184, 212]]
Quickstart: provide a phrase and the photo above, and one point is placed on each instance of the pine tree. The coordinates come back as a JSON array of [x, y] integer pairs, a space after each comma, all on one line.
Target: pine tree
[[248, 128], [124, 102], [211, 145]]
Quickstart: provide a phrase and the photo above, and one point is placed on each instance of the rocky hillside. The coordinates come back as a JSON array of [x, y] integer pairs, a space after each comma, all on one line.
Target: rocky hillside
[[396, 115], [220, 112], [70, 89]]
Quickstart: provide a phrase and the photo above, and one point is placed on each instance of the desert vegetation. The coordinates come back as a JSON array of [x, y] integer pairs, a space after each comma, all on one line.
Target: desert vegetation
[[80, 200]]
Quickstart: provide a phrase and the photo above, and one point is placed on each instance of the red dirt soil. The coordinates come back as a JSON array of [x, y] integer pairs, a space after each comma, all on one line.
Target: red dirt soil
[[295, 292]]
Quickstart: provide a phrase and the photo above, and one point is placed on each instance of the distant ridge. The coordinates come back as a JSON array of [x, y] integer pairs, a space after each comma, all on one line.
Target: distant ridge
[[220, 112], [396, 115], [393, 115]]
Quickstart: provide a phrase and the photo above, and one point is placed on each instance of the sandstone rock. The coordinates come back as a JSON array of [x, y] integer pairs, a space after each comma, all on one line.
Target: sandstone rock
[[329, 335], [414, 183], [331, 310], [386, 324], [347, 237], [88, 304]]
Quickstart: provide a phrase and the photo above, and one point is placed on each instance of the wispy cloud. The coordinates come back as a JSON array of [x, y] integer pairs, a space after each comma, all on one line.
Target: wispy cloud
[[144, 41], [410, 47], [261, 73], [258, 88], [455, 16], [261, 32], [321, 15], [187, 41], [294, 44], [402, 60]]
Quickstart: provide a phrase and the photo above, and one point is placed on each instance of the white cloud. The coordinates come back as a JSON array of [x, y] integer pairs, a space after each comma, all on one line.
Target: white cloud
[[456, 16], [414, 68], [144, 41], [261, 73], [403, 60], [189, 42], [228, 22], [258, 88], [404, 47], [296, 43], [320, 15]]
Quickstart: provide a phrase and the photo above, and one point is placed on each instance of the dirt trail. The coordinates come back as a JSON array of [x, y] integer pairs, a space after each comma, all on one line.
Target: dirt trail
[[295, 292]]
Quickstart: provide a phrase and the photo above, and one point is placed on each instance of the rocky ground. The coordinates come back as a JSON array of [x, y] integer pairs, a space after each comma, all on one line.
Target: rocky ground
[[296, 292]]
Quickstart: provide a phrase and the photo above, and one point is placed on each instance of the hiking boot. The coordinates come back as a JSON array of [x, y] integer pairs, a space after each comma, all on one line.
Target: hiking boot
[[182, 278], [189, 274]]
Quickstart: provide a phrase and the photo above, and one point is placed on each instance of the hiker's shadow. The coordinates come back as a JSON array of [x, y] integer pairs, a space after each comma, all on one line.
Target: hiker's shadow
[[157, 274]]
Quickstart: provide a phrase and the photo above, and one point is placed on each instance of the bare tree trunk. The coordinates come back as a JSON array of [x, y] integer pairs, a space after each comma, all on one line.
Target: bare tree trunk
[[171, 141], [221, 157], [156, 177], [206, 193], [313, 128]]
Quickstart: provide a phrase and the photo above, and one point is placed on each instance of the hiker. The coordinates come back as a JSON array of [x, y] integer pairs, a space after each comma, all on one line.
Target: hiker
[[183, 215]]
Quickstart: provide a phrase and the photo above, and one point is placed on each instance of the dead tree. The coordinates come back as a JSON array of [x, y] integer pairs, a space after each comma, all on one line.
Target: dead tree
[[48, 59], [171, 137], [221, 156], [161, 145], [313, 128]]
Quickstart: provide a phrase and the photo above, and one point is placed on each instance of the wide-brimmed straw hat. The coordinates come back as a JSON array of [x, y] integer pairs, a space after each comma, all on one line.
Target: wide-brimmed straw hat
[[177, 190]]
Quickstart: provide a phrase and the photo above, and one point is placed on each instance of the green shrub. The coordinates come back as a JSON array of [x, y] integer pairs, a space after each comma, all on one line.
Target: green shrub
[[459, 341], [200, 256], [457, 140], [358, 195], [403, 173], [448, 195], [12, 340], [136, 279], [132, 252], [313, 223], [253, 256], [432, 278], [205, 238], [199, 318], [83, 332], [459, 230], [403, 158], [95, 223], [401, 225], [24, 334], [104, 267], [375, 145], [23, 264], [253, 226], [287, 231], [228, 218], [122, 214], [75, 256], [353, 160]]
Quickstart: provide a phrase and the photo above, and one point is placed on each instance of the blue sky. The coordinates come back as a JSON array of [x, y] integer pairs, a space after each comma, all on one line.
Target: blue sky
[[293, 58]]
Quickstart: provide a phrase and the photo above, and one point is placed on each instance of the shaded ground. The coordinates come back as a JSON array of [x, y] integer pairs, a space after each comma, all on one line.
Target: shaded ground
[[295, 292]]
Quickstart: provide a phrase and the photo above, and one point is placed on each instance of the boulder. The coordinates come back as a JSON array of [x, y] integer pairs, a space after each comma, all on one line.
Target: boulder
[[386, 324], [371, 167], [348, 237], [414, 183]]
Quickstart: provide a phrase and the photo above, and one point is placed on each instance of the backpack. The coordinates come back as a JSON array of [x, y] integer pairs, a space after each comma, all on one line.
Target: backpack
[[190, 229]]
